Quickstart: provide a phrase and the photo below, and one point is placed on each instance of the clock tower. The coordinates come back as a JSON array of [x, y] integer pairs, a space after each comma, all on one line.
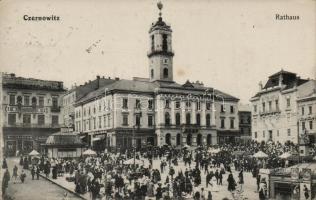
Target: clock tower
[[160, 53]]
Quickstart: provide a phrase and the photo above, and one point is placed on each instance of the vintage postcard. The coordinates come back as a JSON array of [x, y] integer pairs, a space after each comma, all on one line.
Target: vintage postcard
[[158, 99]]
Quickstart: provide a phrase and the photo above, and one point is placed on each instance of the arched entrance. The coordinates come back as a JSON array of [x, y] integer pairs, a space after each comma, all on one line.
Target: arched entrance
[[178, 139], [168, 139], [209, 139], [189, 139], [199, 139]]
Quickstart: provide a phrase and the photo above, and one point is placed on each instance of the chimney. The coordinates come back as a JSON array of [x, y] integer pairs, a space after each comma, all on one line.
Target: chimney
[[260, 86], [117, 78], [98, 82]]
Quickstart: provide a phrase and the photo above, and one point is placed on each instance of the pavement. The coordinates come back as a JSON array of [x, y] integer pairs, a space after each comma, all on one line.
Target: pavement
[[41, 189]]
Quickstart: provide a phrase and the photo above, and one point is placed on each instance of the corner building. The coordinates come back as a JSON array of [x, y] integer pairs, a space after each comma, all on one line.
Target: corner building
[[157, 110], [30, 112]]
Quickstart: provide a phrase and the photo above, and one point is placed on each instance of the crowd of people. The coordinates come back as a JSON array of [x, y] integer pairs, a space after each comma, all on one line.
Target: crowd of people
[[126, 176]]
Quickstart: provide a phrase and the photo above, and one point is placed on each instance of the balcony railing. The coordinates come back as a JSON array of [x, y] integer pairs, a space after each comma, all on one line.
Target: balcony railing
[[24, 125], [270, 112]]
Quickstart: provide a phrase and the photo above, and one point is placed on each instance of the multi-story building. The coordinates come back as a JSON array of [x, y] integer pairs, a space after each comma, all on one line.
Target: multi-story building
[[306, 103], [244, 113], [30, 112], [74, 94], [274, 108], [157, 110]]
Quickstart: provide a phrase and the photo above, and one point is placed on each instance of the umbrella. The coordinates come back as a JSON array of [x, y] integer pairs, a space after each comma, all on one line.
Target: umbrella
[[131, 161], [89, 152], [260, 154], [285, 155], [238, 153], [34, 153], [214, 151]]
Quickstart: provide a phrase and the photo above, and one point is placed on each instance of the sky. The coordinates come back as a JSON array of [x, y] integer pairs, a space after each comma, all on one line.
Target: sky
[[231, 45]]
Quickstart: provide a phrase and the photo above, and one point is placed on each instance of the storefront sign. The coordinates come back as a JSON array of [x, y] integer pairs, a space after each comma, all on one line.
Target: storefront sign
[[294, 173]]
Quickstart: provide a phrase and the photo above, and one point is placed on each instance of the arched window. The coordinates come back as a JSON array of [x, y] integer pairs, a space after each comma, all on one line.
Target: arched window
[[152, 73], [164, 42], [168, 139], [167, 119], [152, 42], [178, 119], [199, 139], [198, 119], [209, 139], [208, 120], [188, 118], [165, 73], [189, 139], [34, 101], [178, 139]]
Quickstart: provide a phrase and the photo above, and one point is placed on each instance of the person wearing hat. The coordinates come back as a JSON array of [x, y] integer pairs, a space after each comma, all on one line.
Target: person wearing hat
[[159, 192]]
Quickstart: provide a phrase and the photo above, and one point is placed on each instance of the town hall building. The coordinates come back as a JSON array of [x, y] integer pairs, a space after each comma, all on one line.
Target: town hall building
[[157, 110]]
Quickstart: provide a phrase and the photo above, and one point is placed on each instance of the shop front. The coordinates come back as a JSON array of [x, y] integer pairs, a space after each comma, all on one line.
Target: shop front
[[294, 183]]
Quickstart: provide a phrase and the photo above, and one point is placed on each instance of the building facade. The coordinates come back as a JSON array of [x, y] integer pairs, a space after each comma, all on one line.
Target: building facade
[[244, 113], [30, 112], [157, 110], [76, 93], [275, 108], [306, 104]]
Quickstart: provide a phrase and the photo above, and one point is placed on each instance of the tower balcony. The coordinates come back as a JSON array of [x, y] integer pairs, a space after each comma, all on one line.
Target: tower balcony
[[159, 52]]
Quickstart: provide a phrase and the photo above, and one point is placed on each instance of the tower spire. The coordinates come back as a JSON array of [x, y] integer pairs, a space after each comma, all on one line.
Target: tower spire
[[160, 6]]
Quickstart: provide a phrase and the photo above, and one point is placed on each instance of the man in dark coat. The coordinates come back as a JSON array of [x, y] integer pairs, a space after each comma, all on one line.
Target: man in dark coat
[[33, 172], [37, 172], [5, 181]]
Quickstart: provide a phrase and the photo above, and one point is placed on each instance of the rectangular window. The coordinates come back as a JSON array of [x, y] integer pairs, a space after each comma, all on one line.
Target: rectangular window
[[55, 102], [231, 109], [41, 101], [198, 105], [310, 125], [167, 103], [232, 125], [222, 122], [277, 105], [55, 120], [263, 134], [79, 126], [137, 120], [94, 123], [11, 119], [125, 120], [288, 102], [270, 106], [303, 110], [208, 106], [104, 121], [256, 135], [12, 99], [41, 119], [26, 100], [288, 132], [263, 107], [303, 126], [310, 110], [150, 104], [137, 104], [255, 108], [125, 103], [150, 120], [222, 108], [109, 121], [26, 119], [178, 104], [100, 121]]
